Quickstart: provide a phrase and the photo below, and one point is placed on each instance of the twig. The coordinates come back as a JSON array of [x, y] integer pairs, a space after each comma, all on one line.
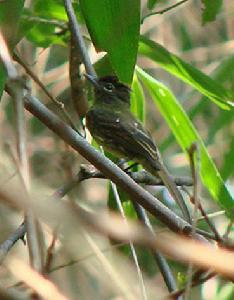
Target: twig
[[212, 215], [139, 272], [144, 177], [86, 172], [77, 261], [49, 257], [17, 85], [110, 269], [59, 104], [228, 230], [181, 248], [197, 280], [160, 12], [160, 260], [57, 23], [218, 237], [11, 240], [78, 39], [108, 168], [178, 293], [195, 171], [20, 232]]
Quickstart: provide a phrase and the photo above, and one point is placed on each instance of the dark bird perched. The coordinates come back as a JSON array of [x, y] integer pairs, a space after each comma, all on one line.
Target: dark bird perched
[[113, 126]]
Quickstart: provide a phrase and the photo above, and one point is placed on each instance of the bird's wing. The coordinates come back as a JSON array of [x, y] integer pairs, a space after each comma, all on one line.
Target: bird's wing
[[122, 134], [137, 139]]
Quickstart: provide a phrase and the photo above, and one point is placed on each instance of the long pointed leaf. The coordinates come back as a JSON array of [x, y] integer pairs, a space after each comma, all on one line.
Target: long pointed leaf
[[114, 27], [186, 134], [186, 72], [137, 99]]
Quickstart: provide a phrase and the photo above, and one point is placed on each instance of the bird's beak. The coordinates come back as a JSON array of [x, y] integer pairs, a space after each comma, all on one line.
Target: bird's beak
[[93, 80]]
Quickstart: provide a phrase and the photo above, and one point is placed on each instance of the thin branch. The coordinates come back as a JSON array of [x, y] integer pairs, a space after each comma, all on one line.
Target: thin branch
[[192, 151], [87, 256], [110, 170], [110, 270], [160, 12], [107, 167], [228, 230], [11, 240], [50, 253], [199, 277], [206, 217], [78, 39], [160, 260], [134, 255], [20, 232], [144, 177], [86, 172], [59, 104], [212, 215], [17, 87], [178, 293], [57, 23]]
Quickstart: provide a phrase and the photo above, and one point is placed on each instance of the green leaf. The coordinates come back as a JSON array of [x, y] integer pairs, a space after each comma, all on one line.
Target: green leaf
[[211, 9], [224, 118], [114, 27], [40, 24], [43, 35], [10, 12], [54, 10], [152, 3], [186, 72], [186, 134], [103, 66], [2, 78], [227, 169], [224, 74], [50, 9], [137, 99]]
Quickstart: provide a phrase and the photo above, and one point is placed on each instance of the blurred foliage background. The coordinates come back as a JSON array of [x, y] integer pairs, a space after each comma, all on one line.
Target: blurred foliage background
[[193, 39]]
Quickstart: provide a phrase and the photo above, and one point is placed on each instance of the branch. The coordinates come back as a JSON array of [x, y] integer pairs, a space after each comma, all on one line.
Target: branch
[[17, 89], [160, 12], [132, 246], [160, 260], [86, 172], [107, 167], [144, 177], [178, 293], [12, 239], [35, 78], [78, 39]]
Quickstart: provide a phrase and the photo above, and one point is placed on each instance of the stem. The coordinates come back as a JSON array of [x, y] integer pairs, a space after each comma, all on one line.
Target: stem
[[78, 39], [160, 12]]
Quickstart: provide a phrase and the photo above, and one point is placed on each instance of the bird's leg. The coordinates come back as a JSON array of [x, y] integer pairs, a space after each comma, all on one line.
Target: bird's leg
[[131, 166], [121, 163]]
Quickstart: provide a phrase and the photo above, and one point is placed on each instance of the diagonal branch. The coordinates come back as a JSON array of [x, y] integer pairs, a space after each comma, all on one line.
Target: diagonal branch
[[108, 168]]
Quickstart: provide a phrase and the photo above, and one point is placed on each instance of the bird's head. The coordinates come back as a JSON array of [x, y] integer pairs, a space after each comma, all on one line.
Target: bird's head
[[109, 89]]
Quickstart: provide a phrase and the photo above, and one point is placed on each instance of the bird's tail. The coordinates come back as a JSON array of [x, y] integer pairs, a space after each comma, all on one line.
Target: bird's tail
[[173, 190]]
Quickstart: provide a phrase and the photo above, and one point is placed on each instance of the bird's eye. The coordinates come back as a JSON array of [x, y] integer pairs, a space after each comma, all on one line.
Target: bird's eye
[[109, 87]]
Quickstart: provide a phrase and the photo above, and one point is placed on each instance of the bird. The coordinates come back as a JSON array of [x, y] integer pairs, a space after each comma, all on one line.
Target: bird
[[112, 124]]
